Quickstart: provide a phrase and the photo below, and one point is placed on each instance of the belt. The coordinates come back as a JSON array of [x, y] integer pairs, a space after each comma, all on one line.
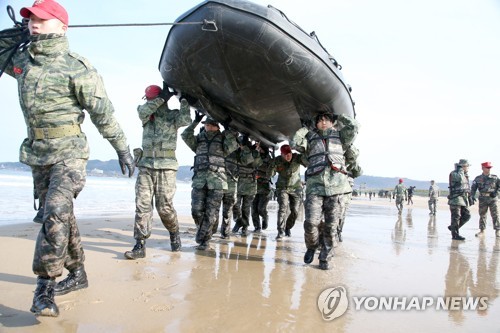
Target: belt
[[39, 133], [484, 194], [158, 153]]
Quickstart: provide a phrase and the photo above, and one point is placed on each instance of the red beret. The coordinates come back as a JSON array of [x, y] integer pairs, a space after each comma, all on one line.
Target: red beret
[[285, 149], [487, 165], [152, 91]]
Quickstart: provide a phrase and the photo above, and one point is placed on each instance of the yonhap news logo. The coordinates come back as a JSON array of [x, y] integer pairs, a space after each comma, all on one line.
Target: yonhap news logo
[[334, 302]]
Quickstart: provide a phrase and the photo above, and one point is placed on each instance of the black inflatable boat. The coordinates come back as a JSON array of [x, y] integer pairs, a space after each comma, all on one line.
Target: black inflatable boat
[[250, 65]]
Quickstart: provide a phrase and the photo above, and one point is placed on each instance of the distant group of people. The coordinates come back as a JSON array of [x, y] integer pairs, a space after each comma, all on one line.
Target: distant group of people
[[461, 196]]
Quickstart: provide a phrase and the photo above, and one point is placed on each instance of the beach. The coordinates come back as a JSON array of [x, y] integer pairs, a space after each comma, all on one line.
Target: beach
[[258, 284]]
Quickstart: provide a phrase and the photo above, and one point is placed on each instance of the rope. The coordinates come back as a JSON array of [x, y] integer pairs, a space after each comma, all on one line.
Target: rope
[[131, 24]]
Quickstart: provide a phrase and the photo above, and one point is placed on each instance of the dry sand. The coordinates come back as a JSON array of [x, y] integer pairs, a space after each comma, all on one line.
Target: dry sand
[[256, 284]]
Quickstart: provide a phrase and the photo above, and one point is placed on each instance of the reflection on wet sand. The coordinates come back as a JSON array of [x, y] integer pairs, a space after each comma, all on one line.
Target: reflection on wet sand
[[487, 273], [459, 280], [398, 236], [432, 234], [255, 277]]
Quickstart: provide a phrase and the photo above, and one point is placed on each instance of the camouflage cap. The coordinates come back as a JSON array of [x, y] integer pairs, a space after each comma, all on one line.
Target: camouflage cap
[[463, 162], [210, 121]]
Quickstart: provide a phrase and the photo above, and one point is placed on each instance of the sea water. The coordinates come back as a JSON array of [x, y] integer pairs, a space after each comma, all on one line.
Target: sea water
[[101, 197]]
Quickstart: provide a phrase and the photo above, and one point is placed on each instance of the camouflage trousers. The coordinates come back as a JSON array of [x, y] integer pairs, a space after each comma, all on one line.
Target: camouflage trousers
[[432, 206], [344, 204], [205, 206], [158, 186], [228, 202], [399, 203], [459, 216], [288, 208], [58, 244], [315, 208], [259, 209], [245, 208], [484, 205]]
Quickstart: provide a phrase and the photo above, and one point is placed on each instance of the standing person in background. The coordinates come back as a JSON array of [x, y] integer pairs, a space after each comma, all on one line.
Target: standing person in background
[[263, 176], [326, 180], [288, 188], [55, 86], [400, 193], [211, 147], [157, 168], [488, 186], [411, 189], [433, 198], [459, 198]]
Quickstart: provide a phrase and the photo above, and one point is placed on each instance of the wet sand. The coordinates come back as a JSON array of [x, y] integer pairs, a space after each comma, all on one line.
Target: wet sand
[[257, 284]]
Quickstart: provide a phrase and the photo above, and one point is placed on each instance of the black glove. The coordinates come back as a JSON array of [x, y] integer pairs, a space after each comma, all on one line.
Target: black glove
[[226, 122], [126, 162], [306, 122], [165, 94], [245, 141], [472, 200], [493, 194], [198, 116]]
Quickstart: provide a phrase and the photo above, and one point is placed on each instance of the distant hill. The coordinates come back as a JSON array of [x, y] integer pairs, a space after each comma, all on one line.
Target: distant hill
[[111, 169]]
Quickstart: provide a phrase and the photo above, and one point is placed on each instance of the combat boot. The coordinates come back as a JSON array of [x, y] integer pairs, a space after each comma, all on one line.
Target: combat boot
[[288, 233], [309, 256], [244, 231], [264, 222], [236, 227], [280, 234], [203, 246], [76, 279], [175, 242], [43, 300], [454, 234], [479, 233], [39, 216], [139, 250], [324, 265]]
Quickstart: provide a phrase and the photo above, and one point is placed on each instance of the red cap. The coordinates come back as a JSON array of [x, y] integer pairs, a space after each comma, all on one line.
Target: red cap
[[487, 165], [400, 180], [152, 91], [285, 149], [46, 10]]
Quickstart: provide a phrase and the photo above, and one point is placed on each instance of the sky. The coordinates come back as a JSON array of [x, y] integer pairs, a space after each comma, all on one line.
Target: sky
[[425, 75]]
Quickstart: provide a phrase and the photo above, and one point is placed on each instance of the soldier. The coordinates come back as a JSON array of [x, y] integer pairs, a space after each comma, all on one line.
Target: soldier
[[263, 176], [211, 147], [247, 185], [55, 86], [433, 197], [288, 188], [230, 195], [411, 190], [157, 168], [326, 180], [400, 193], [488, 186], [459, 198]]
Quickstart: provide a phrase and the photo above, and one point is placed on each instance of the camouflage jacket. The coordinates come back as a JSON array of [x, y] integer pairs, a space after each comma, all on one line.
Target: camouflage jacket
[[459, 188], [327, 181], [288, 172], [487, 185], [212, 178], [249, 160], [433, 192], [400, 191], [55, 86], [159, 134], [264, 173]]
